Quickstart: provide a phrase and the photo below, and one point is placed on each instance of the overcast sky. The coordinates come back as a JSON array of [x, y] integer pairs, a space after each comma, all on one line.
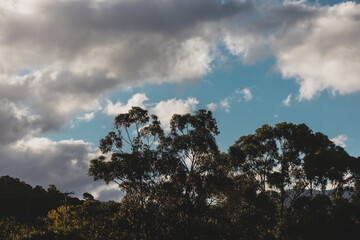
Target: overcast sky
[[69, 66]]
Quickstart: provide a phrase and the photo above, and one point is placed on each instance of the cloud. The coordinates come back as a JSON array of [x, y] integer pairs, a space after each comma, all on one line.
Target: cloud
[[298, 36], [252, 38], [136, 100], [47, 99], [64, 57], [106, 192], [212, 106], [225, 104], [238, 95], [322, 57], [15, 122], [340, 140], [287, 101], [133, 41], [86, 117], [245, 93], [41, 161], [164, 110]]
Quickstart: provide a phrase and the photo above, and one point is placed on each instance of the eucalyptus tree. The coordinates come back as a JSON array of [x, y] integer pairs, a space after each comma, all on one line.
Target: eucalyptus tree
[[194, 174], [273, 155], [174, 172], [326, 164], [192, 140], [289, 139], [254, 155], [132, 146]]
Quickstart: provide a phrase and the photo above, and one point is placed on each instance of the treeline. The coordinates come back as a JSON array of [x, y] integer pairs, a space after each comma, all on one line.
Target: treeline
[[282, 182], [23, 209], [25, 203]]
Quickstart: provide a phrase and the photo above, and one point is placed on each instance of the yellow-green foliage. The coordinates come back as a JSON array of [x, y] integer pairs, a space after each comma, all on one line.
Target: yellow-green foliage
[[11, 229], [56, 219]]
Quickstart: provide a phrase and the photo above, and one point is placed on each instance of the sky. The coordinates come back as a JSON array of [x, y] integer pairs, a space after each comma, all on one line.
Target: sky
[[69, 66]]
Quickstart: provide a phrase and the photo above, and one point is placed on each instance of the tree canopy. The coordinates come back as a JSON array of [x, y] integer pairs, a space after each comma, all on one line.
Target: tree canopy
[[281, 182], [180, 179]]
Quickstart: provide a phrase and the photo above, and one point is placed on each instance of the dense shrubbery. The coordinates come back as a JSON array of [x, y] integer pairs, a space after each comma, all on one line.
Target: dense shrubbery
[[282, 182]]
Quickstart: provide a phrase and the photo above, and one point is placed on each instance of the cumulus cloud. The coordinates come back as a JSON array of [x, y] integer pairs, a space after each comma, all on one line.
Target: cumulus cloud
[[212, 106], [63, 57], [287, 100], [323, 57], [15, 122], [252, 38], [131, 40], [164, 110], [41, 161], [305, 48], [340, 140], [47, 99], [136, 100]]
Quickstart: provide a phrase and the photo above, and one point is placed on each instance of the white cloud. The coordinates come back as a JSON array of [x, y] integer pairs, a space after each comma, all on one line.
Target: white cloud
[[249, 46], [41, 161], [107, 192], [212, 106], [239, 95], [137, 100], [340, 140], [316, 45], [245, 93], [225, 104], [323, 53], [287, 101], [166, 109], [86, 117]]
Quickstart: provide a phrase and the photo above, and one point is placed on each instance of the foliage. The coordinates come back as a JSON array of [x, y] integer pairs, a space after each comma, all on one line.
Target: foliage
[[25, 203], [281, 182]]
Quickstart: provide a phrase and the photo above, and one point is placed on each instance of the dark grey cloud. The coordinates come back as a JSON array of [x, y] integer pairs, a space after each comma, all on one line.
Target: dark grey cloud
[[15, 122], [48, 100], [75, 52], [144, 16], [64, 30], [40, 161]]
